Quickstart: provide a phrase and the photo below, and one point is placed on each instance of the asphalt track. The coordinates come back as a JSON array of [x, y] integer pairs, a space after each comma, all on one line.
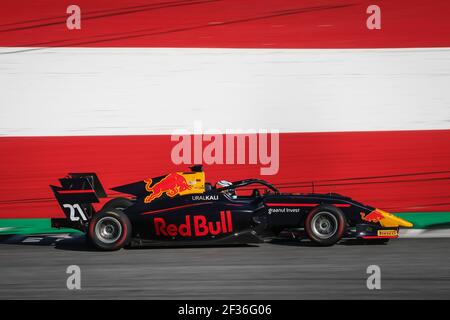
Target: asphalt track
[[35, 268]]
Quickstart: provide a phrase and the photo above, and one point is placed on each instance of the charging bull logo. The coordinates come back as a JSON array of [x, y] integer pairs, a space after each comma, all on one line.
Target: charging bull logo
[[171, 185], [373, 216]]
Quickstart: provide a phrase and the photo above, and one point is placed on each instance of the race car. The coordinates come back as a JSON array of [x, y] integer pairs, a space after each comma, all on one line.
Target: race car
[[180, 208]]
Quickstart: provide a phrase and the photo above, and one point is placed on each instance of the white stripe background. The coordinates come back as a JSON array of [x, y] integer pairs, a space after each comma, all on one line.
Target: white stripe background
[[116, 91]]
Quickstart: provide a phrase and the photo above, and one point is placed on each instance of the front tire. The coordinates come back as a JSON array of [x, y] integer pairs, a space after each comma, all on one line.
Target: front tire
[[325, 225], [110, 230]]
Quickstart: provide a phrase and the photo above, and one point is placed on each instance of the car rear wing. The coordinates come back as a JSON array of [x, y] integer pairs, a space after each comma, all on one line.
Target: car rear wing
[[75, 197]]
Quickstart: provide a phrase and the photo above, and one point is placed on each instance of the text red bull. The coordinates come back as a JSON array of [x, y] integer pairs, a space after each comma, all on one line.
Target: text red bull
[[195, 225]]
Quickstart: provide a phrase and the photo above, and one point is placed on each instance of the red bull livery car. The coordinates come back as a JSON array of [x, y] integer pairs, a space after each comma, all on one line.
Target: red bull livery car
[[180, 208]]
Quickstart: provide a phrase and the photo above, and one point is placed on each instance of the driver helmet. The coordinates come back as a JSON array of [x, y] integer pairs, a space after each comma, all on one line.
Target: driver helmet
[[225, 183]]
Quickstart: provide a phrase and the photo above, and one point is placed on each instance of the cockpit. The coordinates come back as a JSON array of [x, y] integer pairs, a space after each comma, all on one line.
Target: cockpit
[[245, 189]]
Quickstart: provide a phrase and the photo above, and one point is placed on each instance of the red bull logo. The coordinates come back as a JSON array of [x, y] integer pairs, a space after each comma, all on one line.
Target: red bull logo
[[196, 225], [373, 216], [171, 185]]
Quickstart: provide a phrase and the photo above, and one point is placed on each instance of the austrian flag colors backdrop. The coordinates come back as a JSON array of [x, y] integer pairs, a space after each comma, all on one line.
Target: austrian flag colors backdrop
[[363, 112]]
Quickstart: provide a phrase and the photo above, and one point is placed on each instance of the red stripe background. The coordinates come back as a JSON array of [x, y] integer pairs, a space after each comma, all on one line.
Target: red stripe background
[[226, 24]]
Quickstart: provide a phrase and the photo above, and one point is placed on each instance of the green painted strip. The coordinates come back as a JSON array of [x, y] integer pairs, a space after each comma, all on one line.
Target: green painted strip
[[30, 226], [427, 220], [421, 220]]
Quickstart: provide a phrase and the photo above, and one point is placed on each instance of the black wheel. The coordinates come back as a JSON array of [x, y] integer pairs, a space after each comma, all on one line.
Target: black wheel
[[325, 225], [117, 203], [110, 230]]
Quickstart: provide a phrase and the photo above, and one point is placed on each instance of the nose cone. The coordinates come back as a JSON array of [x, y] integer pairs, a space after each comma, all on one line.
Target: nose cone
[[389, 220]]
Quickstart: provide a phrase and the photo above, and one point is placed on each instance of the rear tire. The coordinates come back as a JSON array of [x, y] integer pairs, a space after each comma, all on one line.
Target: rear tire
[[325, 225], [110, 230]]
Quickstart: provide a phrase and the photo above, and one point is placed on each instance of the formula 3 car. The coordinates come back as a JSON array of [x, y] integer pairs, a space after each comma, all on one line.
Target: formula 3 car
[[180, 208]]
